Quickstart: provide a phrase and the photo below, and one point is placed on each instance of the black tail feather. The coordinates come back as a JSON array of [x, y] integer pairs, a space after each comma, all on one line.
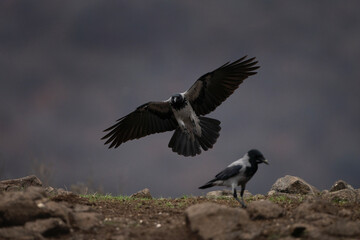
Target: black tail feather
[[207, 185], [185, 144], [210, 129]]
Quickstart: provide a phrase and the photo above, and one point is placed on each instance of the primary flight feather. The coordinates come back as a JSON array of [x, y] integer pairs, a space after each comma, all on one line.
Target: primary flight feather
[[183, 112]]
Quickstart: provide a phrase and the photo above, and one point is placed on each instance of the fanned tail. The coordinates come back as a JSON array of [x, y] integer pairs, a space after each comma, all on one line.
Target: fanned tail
[[188, 144]]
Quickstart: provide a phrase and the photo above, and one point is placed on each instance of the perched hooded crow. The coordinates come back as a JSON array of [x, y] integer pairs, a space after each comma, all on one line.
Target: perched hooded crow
[[238, 173], [183, 112]]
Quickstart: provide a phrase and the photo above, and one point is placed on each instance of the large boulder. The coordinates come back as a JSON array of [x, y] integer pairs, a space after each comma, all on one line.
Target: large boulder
[[19, 183], [213, 221], [293, 185]]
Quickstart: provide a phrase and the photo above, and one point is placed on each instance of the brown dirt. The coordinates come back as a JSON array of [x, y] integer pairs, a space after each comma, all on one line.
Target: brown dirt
[[165, 218]]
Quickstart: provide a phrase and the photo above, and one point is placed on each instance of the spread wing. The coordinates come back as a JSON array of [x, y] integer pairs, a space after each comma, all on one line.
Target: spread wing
[[228, 172], [149, 118], [210, 90]]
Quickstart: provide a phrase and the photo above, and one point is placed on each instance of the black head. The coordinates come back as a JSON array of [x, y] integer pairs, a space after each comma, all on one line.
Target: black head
[[257, 156], [177, 101]]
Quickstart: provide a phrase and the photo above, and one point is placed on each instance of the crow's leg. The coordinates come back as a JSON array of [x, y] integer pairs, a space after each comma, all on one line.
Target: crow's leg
[[242, 195], [237, 199]]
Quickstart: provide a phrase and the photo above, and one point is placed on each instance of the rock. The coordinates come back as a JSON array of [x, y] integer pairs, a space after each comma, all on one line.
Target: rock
[[264, 209], [342, 196], [30, 214], [226, 193], [85, 220], [18, 233], [219, 193], [345, 213], [16, 208], [339, 185], [213, 221], [20, 183], [306, 231], [55, 209], [49, 227], [145, 193], [61, 191], [50, 191], [293, 185], [319, 213], [344, 228], [318, 205]]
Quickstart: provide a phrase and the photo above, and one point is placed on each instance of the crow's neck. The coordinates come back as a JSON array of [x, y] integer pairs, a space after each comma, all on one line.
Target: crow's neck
[[179, 105], [250, 171]]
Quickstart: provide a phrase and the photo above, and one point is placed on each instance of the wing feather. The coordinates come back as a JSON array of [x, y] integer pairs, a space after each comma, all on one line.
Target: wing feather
[[210, 90], [149, 118], [228, 172]]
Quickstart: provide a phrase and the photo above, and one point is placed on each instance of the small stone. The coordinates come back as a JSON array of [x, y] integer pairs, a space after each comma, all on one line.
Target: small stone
[[61, 191], [219, 193], [145, 193], [271, 193], [339, 185]]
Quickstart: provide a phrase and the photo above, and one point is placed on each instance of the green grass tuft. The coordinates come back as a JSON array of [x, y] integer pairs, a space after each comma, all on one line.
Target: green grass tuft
[[108, 197]]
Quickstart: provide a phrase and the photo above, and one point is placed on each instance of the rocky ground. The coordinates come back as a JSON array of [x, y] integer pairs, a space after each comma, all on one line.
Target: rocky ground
[[292, 209]]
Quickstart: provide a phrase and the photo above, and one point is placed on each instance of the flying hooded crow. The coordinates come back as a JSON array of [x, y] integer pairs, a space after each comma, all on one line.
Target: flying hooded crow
[[183, 112], [238, 173]]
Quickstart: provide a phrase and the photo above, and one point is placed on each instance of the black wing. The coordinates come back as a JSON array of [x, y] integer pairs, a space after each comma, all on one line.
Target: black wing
[[210, 90], [228, 172], [149, 118]]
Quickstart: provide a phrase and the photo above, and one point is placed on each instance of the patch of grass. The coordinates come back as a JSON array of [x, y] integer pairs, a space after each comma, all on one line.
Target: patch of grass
[[301, 198], [186, 196], [283, 199], [280, 199], [250, 199], [339, 201], [108, 197], [170, 205]]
